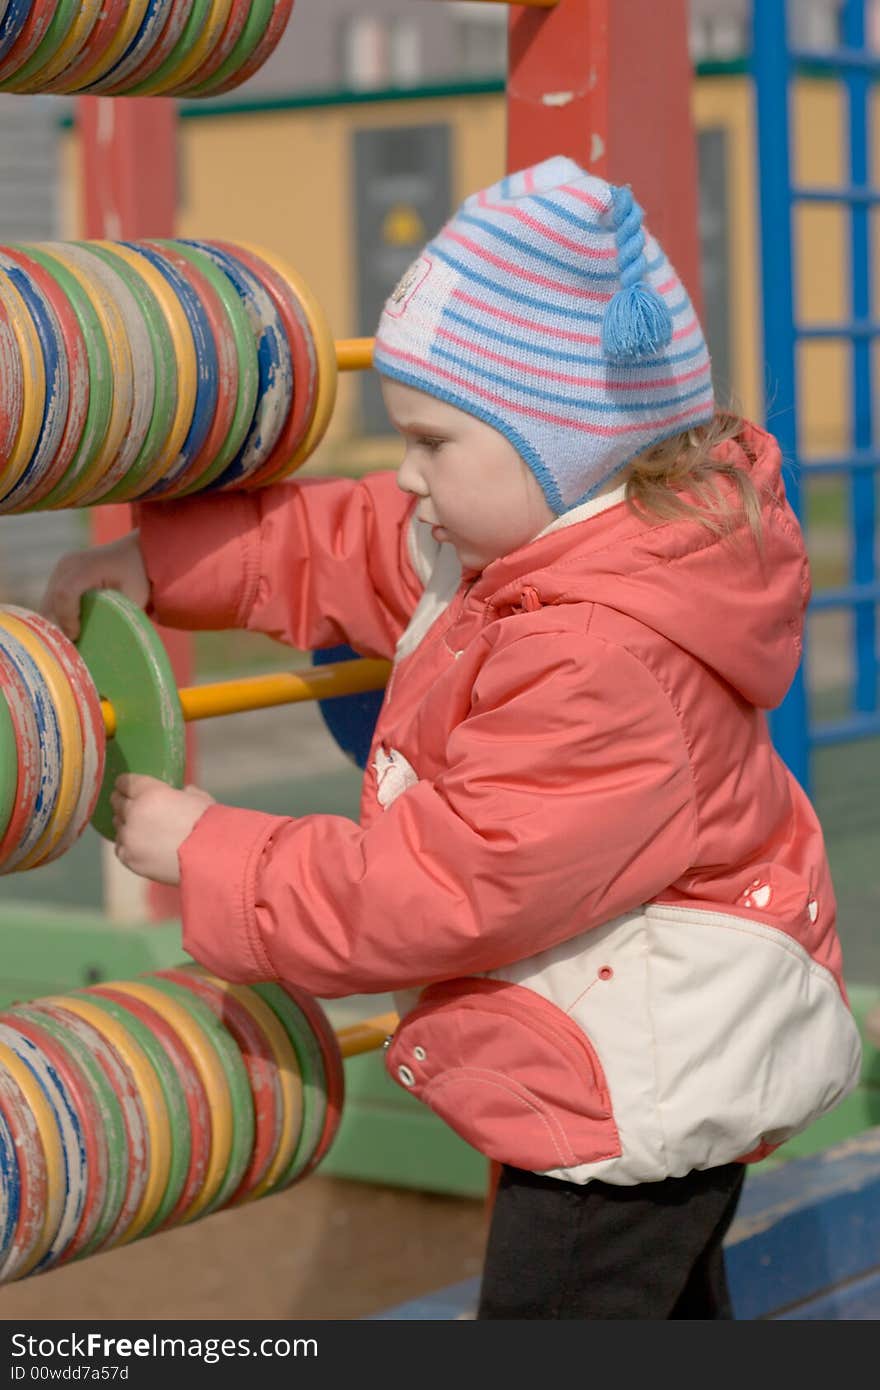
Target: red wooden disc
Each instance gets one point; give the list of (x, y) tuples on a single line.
[(259, 1061), (12, 395), (274, 29), (40, 16), (112, 15)]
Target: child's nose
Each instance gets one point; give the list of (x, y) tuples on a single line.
[(409, 479)]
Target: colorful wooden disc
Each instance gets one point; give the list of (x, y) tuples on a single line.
[(186, 367), (165, 394), (67, 715), (33, 1182), (197, 1122), (217, 55), (69, 1126), (157, 1156), (91, 720), (59, 24), (156, 16), (94, 1155), (12, 376), (206, 379), (284, 293), (203, 30), (133, 1156), (30, 36), (256, 44), (14, 20), (22, 772), (81, 267), (334, 1070), (241, 1105), (215, 294), (49, 1141), (275, 391), (214, 1081), (311, 1066), (48, 752), (141, 1024), (58, 52), (325, 350), (143, 376), (33, 383), (141, 60), (100, 398), (30, 491), (203, 471), (259, 1062), (289, 1079), (122, 37), (55, 369), (111, 1164), (8, 758), (130, 668), (10, 1188)]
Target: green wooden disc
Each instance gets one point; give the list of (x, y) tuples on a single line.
[(8, 765), (128, 1016), (165, 399), (311, 1065), (236, 1075), (248, 366), (131, 669), (110, 1111), (100, 378)]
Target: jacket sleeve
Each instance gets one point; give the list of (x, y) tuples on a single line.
[(312, 563), (567, 799)]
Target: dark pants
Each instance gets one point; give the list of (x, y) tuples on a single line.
[(561, 1250)]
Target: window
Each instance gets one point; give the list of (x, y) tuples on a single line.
[(380, 53), (480, 39)]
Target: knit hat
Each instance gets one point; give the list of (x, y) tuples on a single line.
[(544, 309)]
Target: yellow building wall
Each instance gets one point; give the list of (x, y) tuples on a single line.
[(285, 178)]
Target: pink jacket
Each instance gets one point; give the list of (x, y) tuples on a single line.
[(603, 901)]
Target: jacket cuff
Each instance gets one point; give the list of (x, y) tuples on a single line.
[(219, 861), (202, 557)]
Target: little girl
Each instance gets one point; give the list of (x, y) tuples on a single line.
[(601, 899)]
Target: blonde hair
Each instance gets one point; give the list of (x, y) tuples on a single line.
[(687, 462)]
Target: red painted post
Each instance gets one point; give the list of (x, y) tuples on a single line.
[(608, 82), (129, 190)]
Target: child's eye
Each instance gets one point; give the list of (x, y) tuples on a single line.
[(430, 443)]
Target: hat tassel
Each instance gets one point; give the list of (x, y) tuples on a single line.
[(637, 322)]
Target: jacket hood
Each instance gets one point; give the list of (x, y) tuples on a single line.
[(735, 609)]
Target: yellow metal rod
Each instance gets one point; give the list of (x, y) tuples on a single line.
[(283, 688), (365, 1036), (354, 354)]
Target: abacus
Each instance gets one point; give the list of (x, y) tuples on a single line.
[(146, 367)]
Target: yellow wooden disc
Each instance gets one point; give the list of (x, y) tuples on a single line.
[(33, 384), (50, 1138), (213, 1077), (150, 1092), (113, 328), (184, 352), (325, 353), (289, 1078), (75, 38), (67, 714), (201, 49), (135, 11)]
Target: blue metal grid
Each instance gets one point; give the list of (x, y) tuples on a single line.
[(857, 67)]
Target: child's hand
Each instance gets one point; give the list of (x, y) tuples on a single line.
[(116, 565), (152, 821)]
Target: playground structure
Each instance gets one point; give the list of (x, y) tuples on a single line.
[(549, 107)]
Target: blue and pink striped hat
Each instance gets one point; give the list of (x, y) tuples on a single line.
[(544, 308)]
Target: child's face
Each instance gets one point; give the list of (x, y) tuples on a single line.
[(475, 490)]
